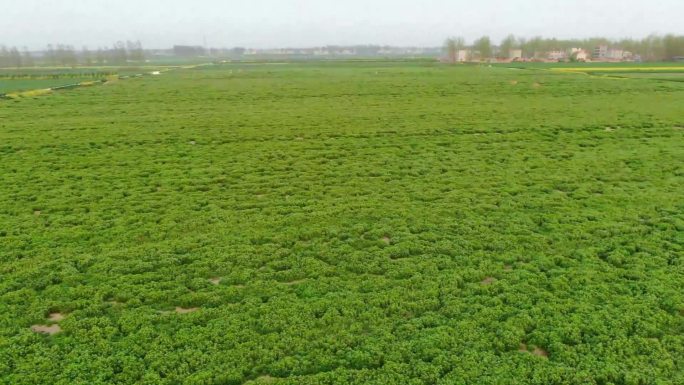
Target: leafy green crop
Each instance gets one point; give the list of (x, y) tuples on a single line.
[(344, 223)]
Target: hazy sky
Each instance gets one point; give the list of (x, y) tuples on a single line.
[(299, 23)]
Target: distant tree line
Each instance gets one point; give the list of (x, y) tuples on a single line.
[(12, 57), (66, 55), (650, 48)]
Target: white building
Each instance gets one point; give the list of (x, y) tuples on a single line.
[(557, 55), (579, 54), (463, 55), (615, 54), (515, 54)]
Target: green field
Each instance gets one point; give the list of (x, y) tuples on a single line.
[(344, 223), (13, 85), (27, 79)]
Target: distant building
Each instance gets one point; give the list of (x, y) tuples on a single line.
[(463, 55), (605, 53), (615, 54), (579, 54), (600, 52), (557, 55), (515, 54)]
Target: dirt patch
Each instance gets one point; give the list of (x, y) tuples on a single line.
[(609, 129), (295, 282), (536, 85), (537, 351), (387, 240), (514, 82), (36, 213), (185, 310), (540, 352), (56, 317), (46, 329), (508, 268), (215, 280), (265, 379), (488, 281)]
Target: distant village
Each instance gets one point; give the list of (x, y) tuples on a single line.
[(455, 50), (330, 51), (601, 53)]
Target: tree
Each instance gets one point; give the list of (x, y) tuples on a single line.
[(507, 44), (135, 51), (483, 46), (450, 48), (86, 56), (652, 48), (452, 45), (532, 47), (118, 53), (673, 46), (27, 58), (4, 56), (10, 57), (100, 56), (50, 56), (15, 57)]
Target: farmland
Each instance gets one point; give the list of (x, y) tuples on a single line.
[(20, 80), (344, 223)]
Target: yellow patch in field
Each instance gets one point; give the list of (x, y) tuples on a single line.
[(617, 69)]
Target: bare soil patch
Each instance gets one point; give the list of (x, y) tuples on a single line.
[(387, 240), (36, 213), (215, 280), (537, 351), (540, 352), (46, 329), (185, 310), (56, 317), (488, 281), (295, 282)]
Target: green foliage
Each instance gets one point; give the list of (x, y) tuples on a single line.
[(370, 223)]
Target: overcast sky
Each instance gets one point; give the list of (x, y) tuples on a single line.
[(301, 23)]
